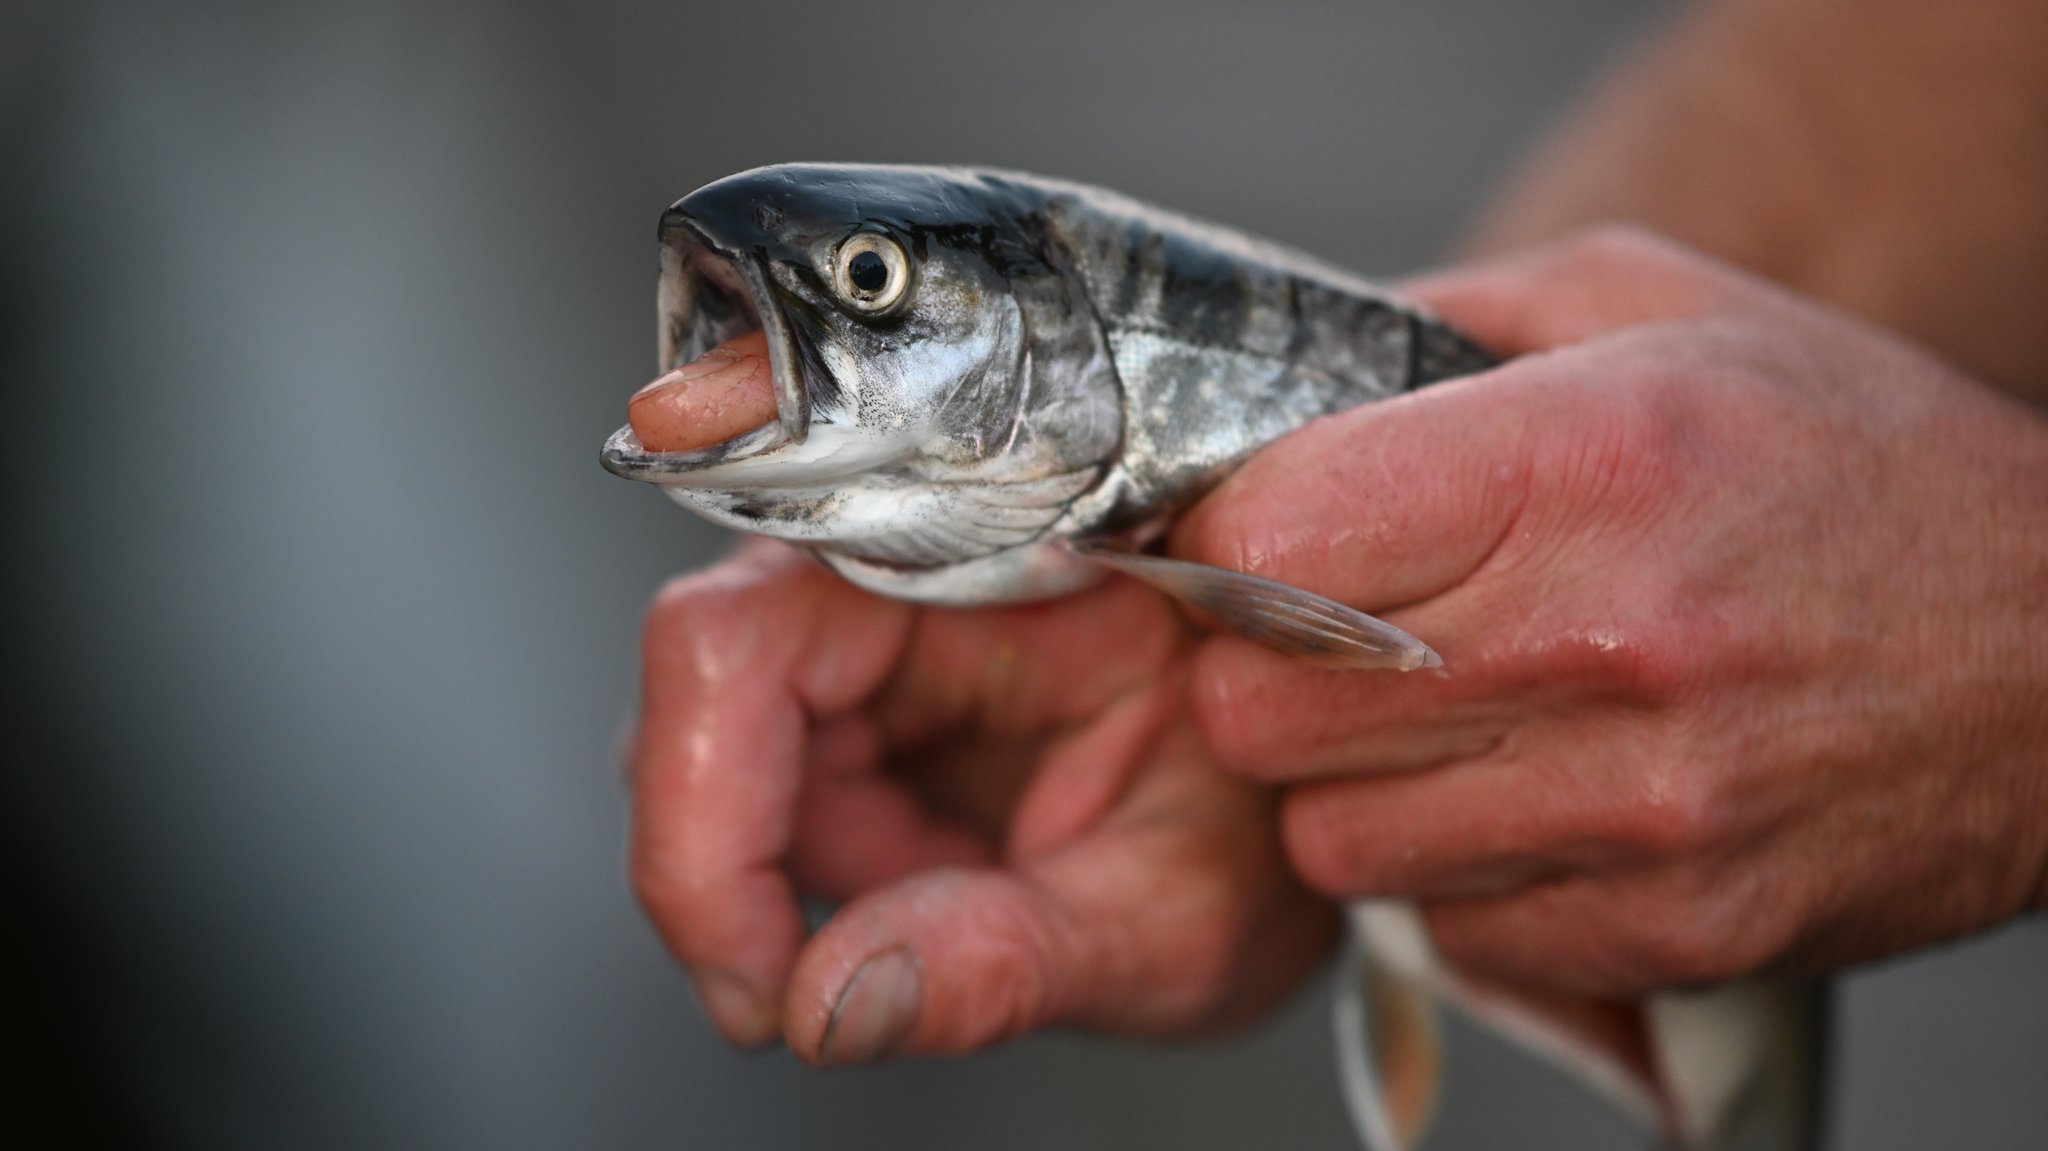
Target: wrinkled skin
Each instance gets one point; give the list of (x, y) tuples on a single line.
[(1048, 840), (1744, 608)]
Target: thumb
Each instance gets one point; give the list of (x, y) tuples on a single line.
[(1582, 287), (1396, 502), (1175, 915), (946, 962), (1383, 505)]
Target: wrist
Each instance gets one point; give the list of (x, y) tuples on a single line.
[(1708, 132), (2014, 727), (1819, 144)]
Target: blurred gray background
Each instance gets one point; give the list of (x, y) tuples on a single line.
[(312, 318)]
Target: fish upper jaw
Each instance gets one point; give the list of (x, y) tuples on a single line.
[(623, 455)]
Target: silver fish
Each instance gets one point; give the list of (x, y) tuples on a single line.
[(1044, 372), (993, 387)]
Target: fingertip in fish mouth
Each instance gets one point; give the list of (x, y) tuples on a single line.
[(729, 387), (725, 392), (711, 296)]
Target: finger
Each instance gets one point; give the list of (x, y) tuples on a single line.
[(1278, 720), (1486, 507), (1019, 671), (1375, 508), (1596, 282), (1145, 925), (1419, 502), (858, 828), (943, 962), (734, 661), (1396, 501), (1592, 936), (1382, 505), (1272, 718), (1547, 803), (980, 696)]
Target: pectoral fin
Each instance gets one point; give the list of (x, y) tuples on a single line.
[(1286, 619)]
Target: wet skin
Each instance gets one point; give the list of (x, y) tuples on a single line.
[(1692, 702)]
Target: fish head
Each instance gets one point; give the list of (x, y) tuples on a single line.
[(889, 299)]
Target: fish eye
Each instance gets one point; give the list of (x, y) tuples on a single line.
[(871, 272)]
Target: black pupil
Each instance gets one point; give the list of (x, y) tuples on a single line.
[(868, 272)]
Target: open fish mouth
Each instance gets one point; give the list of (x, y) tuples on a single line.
[(710, 297)]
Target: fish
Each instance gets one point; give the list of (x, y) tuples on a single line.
[(1041, 375), (974, 386)]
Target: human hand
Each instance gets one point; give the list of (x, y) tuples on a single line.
[(1744, 613), (1013, 801)]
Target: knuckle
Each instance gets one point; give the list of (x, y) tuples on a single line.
[(688, 605), (1673, 947), (1271, 517), (757, 567), (1660, 666), (1655, 269), (1325, 848), (1229, 529), (1628, 456), (651, 889), (1746, 928), (1483, 945), (1021, 972), (662, 894), (1019, 996), (1675, 814), (1681, 928), (1522, 942), (703, 597), (676, 607), (1230, 714), (1637, 658), (1659, 420), (708, 620), (1617, 245), (1202, 971)]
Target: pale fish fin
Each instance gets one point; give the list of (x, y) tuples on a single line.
[(1745, 1065), (1734, 1068), (927, 543), (1389, 1043), (918, 522), (1286, 619)]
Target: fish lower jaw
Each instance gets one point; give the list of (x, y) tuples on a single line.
[(1035, 571), (765, 459), (625, 456)]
